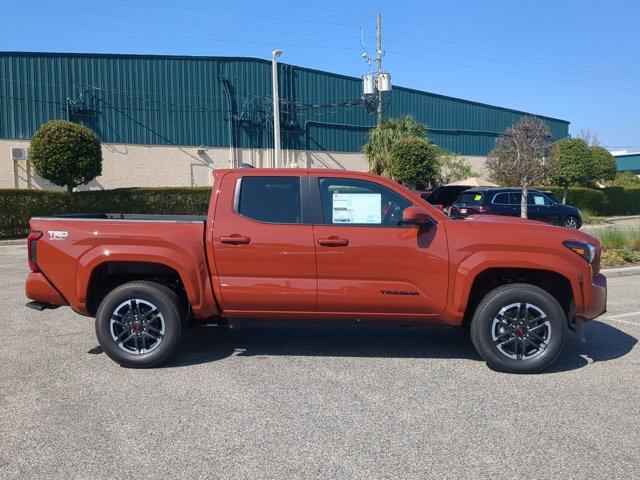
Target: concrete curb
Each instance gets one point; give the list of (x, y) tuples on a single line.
[(621, 272)]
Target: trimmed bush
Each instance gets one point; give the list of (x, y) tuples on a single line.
[(18, 206), (66, 154), (622, 201), (594, 201)]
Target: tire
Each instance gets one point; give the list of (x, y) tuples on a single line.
[(507, 339), (571, 222), (161, 316)]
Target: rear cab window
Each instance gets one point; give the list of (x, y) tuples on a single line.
[(269, 199)]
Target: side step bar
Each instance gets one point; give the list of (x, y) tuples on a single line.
[(40, 306)]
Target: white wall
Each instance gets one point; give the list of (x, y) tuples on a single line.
[(126, 165)]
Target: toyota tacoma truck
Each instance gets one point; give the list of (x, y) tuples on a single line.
[(319, 246)]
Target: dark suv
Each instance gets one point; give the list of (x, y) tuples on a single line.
[(506, 201)]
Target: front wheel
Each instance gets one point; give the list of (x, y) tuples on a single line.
[(519, 328), (139, 324)]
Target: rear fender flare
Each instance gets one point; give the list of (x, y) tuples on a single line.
[(194, 276)]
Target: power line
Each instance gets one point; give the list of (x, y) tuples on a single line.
[(167, 35), (518, 74), (501, 52), (567, 72), (247, 15), (506, 40), (169, 22)]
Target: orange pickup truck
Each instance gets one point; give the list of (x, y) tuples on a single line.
[(318, 245)]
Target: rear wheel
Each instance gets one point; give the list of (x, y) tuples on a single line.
[(571, 222), (139, 324), (519, 328)]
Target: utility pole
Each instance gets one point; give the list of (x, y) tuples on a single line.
[(277, 151), (379, 61)]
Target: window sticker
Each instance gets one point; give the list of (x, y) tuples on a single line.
[(357, 208), (538, 200), (478, 197)]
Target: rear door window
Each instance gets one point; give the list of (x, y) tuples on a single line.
[(270, 199), (501, 199), (515, 198), (470, 198)]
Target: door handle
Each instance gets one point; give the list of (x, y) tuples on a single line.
[(235, 240), (333, 242)]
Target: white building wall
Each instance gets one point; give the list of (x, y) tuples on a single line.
[(127, 165)]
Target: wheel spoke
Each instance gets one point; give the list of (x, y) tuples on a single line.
[(506, 342), (122, 334), (128, 335)]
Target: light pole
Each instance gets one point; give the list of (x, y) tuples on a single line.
[(277, 151)]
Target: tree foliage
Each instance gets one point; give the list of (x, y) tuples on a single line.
[(624, 179), (604, 164), (414, 162), (454, 168), (572, 164), (66, 154), (383, 137), (520, 156)]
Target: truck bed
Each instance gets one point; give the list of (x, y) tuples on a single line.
[(127, 216)]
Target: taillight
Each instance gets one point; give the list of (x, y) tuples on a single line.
[(484, 209), (32, 242)]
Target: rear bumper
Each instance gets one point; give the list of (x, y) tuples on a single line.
[(595, 298), (38, 288)]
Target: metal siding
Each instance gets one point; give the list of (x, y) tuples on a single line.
[(628, 163), (181, 101)]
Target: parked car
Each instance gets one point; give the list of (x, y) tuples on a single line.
[(506, 201), (317, 245), (445, 195)]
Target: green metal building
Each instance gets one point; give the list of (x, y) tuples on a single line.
[(225, 101), (628, 162)]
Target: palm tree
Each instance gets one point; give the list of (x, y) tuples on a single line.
[(384, 136)]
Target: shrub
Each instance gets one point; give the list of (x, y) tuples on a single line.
[(383, 137), (595, 201), (622, 201), (414, 162), (66, 154)]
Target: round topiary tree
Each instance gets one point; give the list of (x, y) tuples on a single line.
[(66, 154), (572, 164), (414, 162), (604, 164)]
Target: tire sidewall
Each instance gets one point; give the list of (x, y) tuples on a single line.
[(165, 305), (483, 322)]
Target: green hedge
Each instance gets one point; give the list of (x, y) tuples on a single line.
[(583, 198), (622, 200), (17, 206)]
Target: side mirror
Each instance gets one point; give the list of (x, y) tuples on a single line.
[(417, 216)]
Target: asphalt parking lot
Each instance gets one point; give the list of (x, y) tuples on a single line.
[(312, 402)]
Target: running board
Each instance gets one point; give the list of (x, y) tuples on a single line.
[(40, 306)]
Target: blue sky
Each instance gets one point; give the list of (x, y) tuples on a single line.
[(576, 60)]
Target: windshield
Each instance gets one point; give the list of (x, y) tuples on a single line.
[(470, 198)]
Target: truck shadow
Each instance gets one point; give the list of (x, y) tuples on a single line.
[(208, 344)]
